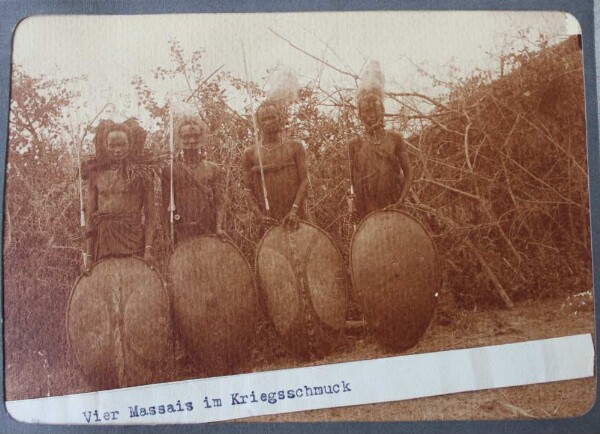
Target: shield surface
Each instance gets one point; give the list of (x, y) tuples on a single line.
[(214, 302), (302, 287), (395, 274), (118, 323)]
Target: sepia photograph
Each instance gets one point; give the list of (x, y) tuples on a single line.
[(192, 198)]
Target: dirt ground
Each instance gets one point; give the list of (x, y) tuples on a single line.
[(528, 321), (451, 328)]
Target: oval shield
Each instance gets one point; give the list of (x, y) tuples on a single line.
[(302, 287), (118, 324), (395, 274), (214, 302)]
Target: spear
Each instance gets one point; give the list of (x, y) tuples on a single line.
[(80, 180), (171, 192), (351, 204), (255, 127), (82, 209), (351, 207)]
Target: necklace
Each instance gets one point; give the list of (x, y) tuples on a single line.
[(376, 142), (271, 148)]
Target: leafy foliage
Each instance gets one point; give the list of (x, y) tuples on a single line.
[(41, 256)]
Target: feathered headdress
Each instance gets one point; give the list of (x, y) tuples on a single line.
[(282, 92), (283, 88), (372, 81)]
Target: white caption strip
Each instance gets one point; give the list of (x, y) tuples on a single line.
[(343, 384)]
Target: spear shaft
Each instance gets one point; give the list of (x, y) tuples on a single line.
[(82, 210), (171, 191), (82, 220)]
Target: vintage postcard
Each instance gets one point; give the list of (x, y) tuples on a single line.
[(316, 216)]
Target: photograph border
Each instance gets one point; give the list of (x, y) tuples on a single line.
[(14, 11)]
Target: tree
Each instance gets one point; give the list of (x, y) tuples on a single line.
[(41, 251)]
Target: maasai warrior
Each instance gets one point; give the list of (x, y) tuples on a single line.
[(199, 206), (120, 194), (283, 161), (378, 155)]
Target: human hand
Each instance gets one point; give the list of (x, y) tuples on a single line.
[(266, 220), (290, 221), (87, 263), (221, 234), (148, 256), (395, 206)]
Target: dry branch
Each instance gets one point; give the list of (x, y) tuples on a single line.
[(329, 65), (501, 291)]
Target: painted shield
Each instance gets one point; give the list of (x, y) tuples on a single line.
[(214, 302), (118, 324), (395, 274), (302, 287)]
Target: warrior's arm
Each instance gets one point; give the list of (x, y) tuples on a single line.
[(300, 157), (290, 221), (406, 169), (91, 206), (247, 165), (149, 212)]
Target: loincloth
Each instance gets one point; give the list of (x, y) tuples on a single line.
[(118, 234)]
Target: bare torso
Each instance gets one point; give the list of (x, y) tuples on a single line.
[(284, 174), (380, 171), (114, 224), (116, 194)]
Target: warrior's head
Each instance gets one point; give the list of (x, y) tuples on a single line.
[(370, 97), (118, 141), (371, 111), (269, 118), (192, 134)]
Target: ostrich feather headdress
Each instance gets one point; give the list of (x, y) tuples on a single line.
[(372, 81)]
